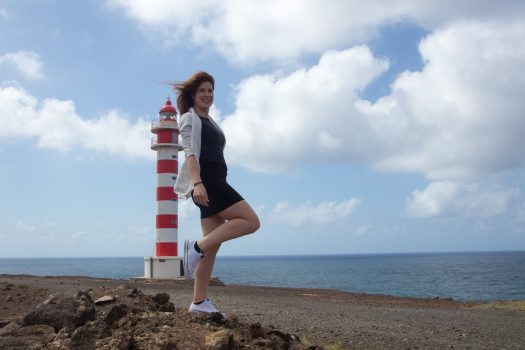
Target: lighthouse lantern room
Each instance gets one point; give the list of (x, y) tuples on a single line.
[(166, 264)]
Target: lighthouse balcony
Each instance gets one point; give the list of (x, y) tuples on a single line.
[(157, 125), (155, 144)]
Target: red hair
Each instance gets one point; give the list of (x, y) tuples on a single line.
[(186, 90)]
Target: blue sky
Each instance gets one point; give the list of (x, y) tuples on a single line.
[(351, 128)]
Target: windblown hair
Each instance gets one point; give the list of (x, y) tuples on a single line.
[(186, 90)]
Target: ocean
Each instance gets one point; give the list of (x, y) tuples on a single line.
[(485, 276)]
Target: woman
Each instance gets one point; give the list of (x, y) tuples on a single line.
[(225, 214)]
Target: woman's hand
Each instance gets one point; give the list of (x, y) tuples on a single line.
[(200, 196)]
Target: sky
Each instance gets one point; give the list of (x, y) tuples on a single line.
[(353, 127)]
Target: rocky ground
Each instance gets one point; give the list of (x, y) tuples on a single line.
[(67, 313)]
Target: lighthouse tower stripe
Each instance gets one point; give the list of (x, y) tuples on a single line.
[(166, 248), (166, 179), (166, 207), (167, 221), (166, 194), (167, 152), (167, 166), (167, 235), (167, 160), (166, 136)]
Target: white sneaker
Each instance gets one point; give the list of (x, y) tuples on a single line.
[(205, 307), (191, 258)]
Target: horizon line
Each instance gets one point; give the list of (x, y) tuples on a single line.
[(279, 255)]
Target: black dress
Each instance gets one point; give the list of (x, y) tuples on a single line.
[(214, 171)]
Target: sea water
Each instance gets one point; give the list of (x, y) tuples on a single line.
[(461, 276)]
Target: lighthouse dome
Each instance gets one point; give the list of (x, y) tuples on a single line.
[(168, 108)]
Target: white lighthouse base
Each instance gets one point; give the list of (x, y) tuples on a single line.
[(163, 267)]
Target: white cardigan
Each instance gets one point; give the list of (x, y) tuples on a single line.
[(190, 132)]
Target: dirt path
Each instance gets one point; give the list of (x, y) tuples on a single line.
[(356, 321)]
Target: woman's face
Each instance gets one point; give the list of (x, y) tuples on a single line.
[(203, 97)]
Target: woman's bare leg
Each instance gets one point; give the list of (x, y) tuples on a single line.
[(204, 268), (240, 220)]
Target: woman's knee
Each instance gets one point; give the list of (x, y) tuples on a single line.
[(253, 223), (244, 212)]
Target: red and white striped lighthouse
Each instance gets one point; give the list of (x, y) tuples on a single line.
[(166, 263)]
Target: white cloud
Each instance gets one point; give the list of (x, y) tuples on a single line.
[(251, 31), (48, 223), (139, 234), (22, 226), (461, 117), (48, 237), (303, 117), (450, 199), (54, 124), (76, 236), (28, 63), (322, 214), (362, 230), (179, 15)]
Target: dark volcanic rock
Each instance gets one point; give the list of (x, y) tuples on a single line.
[(281, 340), (220, 340), (141, 322), (24, 337), (116, 313), (85, 337), (284, 336), (11, 326), (62, 341), (255, 330), (168, 307), (121, 340), (60, 311), (132, 292), (265, 343), (161, 298), (203, 318)]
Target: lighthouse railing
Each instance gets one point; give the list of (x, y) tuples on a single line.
[(170, 124), (155, 142)]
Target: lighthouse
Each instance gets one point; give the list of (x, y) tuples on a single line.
[(166, 264)]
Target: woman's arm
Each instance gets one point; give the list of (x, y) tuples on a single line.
[(199, 191)]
